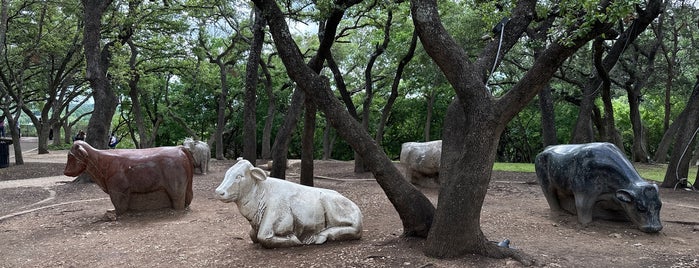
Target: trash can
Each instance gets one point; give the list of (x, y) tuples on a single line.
[(5, 153)]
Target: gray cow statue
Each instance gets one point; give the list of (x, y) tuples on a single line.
[(596, 180), (421, 161), (286, 214), (200, 152)]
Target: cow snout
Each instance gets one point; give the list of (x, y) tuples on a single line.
[(223, 195), (651, 228)]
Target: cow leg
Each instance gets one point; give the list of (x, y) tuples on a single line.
[(120, 201), (277, 229), (337, 233), (583, 206), (551, 197), (177, 199)]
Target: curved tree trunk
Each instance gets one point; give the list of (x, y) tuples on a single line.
[(678, 168)]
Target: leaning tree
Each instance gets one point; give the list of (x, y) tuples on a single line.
[(474, 121)]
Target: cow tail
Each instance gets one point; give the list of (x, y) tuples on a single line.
[(189, 195)]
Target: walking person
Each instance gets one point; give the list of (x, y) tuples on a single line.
[(2, 127)]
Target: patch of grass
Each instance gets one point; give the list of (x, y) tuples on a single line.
[(62, 146), (655, 172), (515, 167)]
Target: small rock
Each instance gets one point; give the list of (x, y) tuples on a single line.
[(696, 228), (615, 235)]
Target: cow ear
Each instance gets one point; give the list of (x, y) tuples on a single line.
[(625, 196), (79, 151), (258, 174)]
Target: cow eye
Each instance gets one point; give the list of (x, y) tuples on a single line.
[(641, 208)]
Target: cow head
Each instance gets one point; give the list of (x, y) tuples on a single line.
[(642, 206), (239, 179), (188, 143), (77, 160)]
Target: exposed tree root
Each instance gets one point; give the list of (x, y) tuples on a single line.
[(492, 250)]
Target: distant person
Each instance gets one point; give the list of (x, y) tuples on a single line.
[(80, 136), (113, 141), (2, 128)]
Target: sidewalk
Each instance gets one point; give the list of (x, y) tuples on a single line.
[(30, 154)]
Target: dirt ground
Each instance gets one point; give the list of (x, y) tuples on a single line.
[(49, 222)]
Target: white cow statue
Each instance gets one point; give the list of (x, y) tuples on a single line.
[(421, 161), (200, 152), (285, 214)]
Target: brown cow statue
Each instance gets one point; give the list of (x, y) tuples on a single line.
[(137, 179)]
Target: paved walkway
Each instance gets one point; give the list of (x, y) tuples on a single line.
[(31, 155)]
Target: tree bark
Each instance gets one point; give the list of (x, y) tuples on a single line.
[(97, 62), (280, 148), (309, 127), (431, 97), (610, 131), (678, 168), (548, 118), (251, 79), (269, 118)]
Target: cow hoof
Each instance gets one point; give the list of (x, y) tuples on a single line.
[(110, 215)]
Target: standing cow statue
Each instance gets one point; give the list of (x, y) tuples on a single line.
[(128, 175), (285, 214), (421, 161), (596, 180), (200, 152)]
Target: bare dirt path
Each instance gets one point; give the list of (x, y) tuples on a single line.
[(61, 225)]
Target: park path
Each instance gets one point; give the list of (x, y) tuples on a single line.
[(31, 155)]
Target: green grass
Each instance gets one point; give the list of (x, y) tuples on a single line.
[(654, 172)]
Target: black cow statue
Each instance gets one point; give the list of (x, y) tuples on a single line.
[(596, 180)]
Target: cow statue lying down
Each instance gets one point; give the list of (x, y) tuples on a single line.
[(285, 214), (136, 179), (596, 180), (421, 161)]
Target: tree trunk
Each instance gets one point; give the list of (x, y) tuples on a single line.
[(328, 141), (281, 141), (359, 163), (610, 133), (307, 144), (428, 117), (386, 112), (678, 168), (143, 140), (269, 119), (414, 209), (582, 132), (251, 79), (548, 118), (221, 111), (97, 62), (639, 152), (669, 136)]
